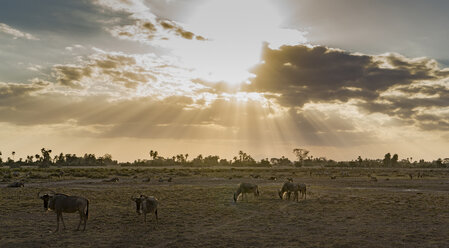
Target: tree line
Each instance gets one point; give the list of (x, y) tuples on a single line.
[(45, 159), (242, 159)]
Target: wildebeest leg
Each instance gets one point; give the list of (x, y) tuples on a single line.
[(288, 195), (85, 222), (296, 196), (62, 219), (155, 214), (145, 217), (79, 223), (57, 222)]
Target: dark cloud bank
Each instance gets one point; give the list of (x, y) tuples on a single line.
[(408, 89)]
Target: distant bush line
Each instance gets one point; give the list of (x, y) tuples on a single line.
[(242, 159)]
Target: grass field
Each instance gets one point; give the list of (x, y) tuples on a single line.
[(344, 208)]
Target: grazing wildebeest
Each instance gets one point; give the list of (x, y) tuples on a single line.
[(245, 188), (61, 203), (146, 204), (290, 187), (112, 180), (16, 185)]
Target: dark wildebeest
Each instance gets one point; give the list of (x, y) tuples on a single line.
[(290, 187), (146, 204), (61, 203), (16, 185), (245, 188)]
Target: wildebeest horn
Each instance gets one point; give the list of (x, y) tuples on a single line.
[(51, 192)]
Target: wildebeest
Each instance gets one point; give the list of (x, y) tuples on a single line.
[(112, 180), (146, 204), (290, 187), (16, 185), (61, 203), (245, 188)]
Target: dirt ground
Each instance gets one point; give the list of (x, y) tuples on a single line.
[(197, 210)]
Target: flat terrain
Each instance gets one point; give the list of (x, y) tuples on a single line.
[(344, 208)]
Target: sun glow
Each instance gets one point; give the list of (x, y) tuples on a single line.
[(235, 32)]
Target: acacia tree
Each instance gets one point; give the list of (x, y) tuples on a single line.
[(301, 154)]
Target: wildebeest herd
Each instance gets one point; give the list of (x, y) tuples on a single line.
[(62, 203)]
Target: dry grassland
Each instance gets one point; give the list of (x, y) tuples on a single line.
[(197, 210)]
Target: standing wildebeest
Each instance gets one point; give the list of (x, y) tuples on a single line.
[(245, 188), (61, 203), (290, 187), (146, 204)]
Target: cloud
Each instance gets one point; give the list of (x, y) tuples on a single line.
[(146, 27), (424, 104), (119, 73), (4, 28), (71, 75), (390, 84)]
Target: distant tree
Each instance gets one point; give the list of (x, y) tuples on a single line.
[(241, 154), (265, 162), (153, 154), (244, 159), (445, 161), (29, 159), (107, 159), (360, 160), (198, 161), (394, 159), (283, 161), (301, 154), (224, 162), (387, 159), (60, 160), (46, 158), (211, 160)]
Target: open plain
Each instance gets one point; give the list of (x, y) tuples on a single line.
[(344, 208)]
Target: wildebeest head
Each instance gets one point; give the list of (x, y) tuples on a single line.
[(46, 199), (138, 201)]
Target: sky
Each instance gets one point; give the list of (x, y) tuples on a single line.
[(341, 79)]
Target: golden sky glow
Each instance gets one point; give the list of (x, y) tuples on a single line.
[(213, 77)]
